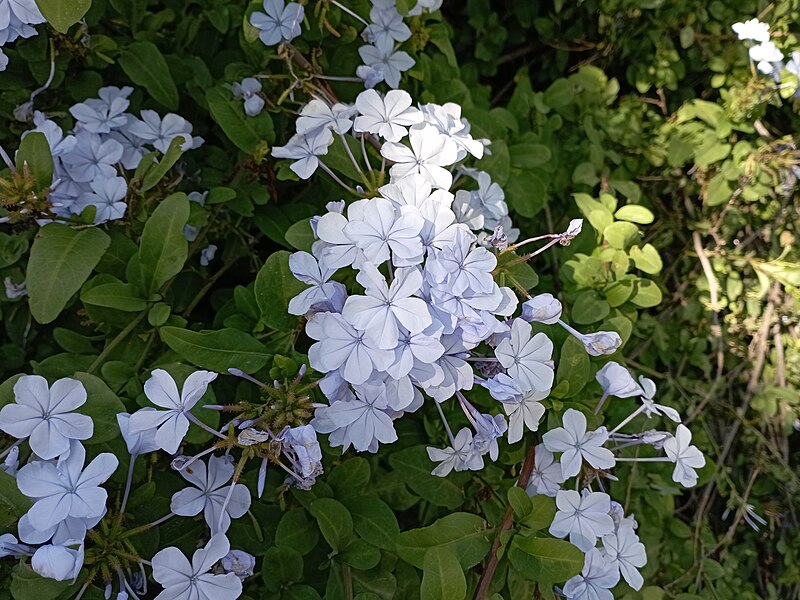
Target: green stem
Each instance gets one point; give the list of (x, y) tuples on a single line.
[(116, 342)]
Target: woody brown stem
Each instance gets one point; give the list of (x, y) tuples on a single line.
[(488, 574)]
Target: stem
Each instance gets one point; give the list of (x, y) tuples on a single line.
[(348, 11), (111, 346), (336, 177), (352, 158), (142, 528), (446, 425), (127, 491), (203, 426), (364, 152), (627, 420), (7, 159), (488, 574), (10, 448), (644, 459), (533, 239)]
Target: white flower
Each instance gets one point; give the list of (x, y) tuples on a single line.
[(317, 115), (183, 580), (752, 29), (66, 490), (624, 551), (430, 152), (322, 291), (141, 442), (44, 415), (546, 477), (577, 444), (687, 458), (527, 359), (595, 581), (617, 381), (307, 452), (240, 563), (583, 517), (526, 412), (387, 117), (765, 55), (280, 23), (386, 308), (305, 150), (381, 230), (249, 90), (543, 308), (456, 457), (650, 407), (59, 562), (172, 423), (601, 342), (384, 58), (210, 493)]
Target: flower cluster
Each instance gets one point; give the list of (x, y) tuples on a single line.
[(65, 492), (763, 52), (427, 319), (17, 18), (92, 162)]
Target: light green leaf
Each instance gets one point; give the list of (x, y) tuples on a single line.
[(442, 576), (34, 152), (528, 156), (589, 308), (520, 502), (26, 584), (621, 234), (334, 522), (573, 366), (466, 535), (646, 294), (374, 521), (545, 560), (146, 66), (635, 214), (217, 350), (164, 248), (543, 509), (60, 262), (13, 503), (62, 14), (156, 173), (300, 235), (646, 259)]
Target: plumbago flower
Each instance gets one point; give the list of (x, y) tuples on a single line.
[(428, 318)]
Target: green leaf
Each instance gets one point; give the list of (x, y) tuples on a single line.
[(545, 560), (466, 535), (62, 14), (646, 259), (245, 132), (621, 234), (374, 521), (217, 350), (573, 365), (635, 214), (589, 308), (146, 66), (646, 294), (282, 564), (12, 248), (275, 286), (718, 191), (103, 406), (159, 314), (528, 156), (300, 235), (520, 502), (156, 173), (415, 465), (442, 576), (26, 584), (350, 478), (334, 522), (297, 530), (543, 509), (360, 555), (164, 248), (119, 296), (60, 262), (34, 151), (13, 503)]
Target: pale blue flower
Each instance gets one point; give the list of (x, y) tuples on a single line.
[(361, 422), (391, 62), (381, 232), (595, 580), (249, 90), (281, 23), (527, 359), (103, 114), (92, 157), (583, 517), (45, 415), (107, 195), (387, 116), (305, 150), (159, 132), (184, 580), (578, 444), (462, 267), (61, 562), (387, 26), (323, 292), (66, 490)]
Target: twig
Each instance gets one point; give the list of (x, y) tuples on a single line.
[(508, 519), (713, 289)]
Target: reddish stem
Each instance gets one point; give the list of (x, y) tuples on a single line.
[(488, 574)]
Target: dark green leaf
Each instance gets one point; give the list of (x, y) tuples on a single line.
[(465, 535), (62, 14), (334, 522), (545, 560), (163, 247), (442, 576), (217, 350), (34, 152), (145, 65), (275, 286), (247, 133)]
